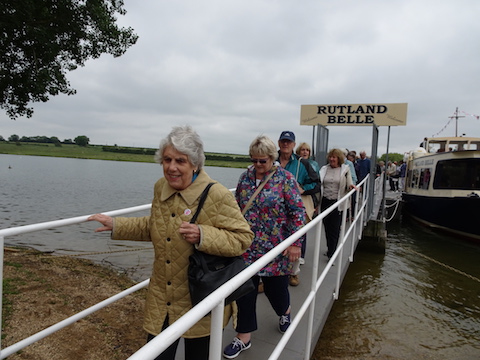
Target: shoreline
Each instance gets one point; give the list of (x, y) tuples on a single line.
[(95, 152), (42, 289)]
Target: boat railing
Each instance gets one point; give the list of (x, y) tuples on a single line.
[(214, 303)]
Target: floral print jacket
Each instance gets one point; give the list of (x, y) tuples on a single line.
[(275, 214)]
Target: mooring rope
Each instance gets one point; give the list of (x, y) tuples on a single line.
[(394, 211), (471, 277)]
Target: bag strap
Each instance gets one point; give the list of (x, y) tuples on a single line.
[(259, 188), (201, 202), (298, 169)]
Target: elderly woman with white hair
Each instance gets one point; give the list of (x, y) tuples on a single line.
[(220, 230)]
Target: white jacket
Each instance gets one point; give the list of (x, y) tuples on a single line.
[(345, 183)]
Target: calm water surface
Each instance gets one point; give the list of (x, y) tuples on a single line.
[(396, 305), (419, 300), (37, 189)]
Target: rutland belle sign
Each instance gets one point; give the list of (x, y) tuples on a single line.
[(354, 114)]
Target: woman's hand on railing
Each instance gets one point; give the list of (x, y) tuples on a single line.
[(105, 220), (293, 253)]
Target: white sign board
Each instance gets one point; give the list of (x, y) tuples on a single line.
[(354, 114)]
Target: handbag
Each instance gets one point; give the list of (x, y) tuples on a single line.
[(309, 207), (207, 272)]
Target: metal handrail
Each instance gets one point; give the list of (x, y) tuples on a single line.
[(214, 303)]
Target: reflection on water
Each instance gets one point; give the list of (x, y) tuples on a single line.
[(420, 300)]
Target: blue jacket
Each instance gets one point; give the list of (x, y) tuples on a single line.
[(352, 171), (364, 168), (305, 175)]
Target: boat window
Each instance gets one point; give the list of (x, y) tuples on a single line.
[(458, 174), (424, 179), (415, 177), (472, 146)]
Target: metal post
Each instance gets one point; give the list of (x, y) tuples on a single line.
[(315, 267), (385, 177), (313, 143), (321, 145), (216, 332), (373, 159), (2, 244), (340, 256)]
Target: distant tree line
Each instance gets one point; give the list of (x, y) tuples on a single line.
[(83, 140), (129, 150), (149, 151), (80, 140), (226, 157)]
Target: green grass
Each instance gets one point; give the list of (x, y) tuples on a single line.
[(10, 288), (96, 152)]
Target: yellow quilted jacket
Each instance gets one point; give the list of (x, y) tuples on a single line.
[(224, 232)]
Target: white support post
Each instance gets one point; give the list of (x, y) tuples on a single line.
[(216, 332)]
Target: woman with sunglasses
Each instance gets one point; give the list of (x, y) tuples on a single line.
[(275, 213)]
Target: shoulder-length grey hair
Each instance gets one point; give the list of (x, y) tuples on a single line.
[(338, 153), (263, 146), (185, 140)]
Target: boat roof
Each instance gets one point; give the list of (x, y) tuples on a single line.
[(453, 143)]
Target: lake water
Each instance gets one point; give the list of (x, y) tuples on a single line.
[(38, 189), (418, 300)]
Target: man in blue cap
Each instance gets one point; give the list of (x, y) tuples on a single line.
[(306, 176)]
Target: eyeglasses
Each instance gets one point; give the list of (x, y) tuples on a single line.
[(261, 161)]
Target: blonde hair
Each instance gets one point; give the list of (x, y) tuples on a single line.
[(303, 145), (262, 145), (338, 153)]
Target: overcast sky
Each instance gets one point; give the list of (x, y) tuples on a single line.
[(237, 69)]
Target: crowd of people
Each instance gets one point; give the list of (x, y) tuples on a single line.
[(282, 190)]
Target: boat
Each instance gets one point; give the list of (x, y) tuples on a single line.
[(442, 185)]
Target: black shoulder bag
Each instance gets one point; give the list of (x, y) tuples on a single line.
[(207, 272)]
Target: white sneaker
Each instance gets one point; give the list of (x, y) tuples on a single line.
[(301, 261)]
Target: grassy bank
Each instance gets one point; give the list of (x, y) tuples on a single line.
[(40, 290), (96, 152)]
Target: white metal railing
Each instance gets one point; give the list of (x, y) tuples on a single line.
[(214, 303)]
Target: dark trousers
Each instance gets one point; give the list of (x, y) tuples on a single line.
[(353, 203), (304, 246), (276, 290), (390, 182), (195, 349), (393, 183), (332, 223)]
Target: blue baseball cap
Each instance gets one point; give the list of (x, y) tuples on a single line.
[(287, 135)]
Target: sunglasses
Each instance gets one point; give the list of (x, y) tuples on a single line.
[(261, 161)]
